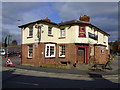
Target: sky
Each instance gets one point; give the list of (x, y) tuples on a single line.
[(104, 15)]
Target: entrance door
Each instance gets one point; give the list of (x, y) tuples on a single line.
[(81, 55)]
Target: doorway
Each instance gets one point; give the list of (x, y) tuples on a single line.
[(81, 55)]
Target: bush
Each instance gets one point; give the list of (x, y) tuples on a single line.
[(111, 57)]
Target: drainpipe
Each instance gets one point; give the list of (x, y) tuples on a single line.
[(39, 33), (94, 53), (39, 38)]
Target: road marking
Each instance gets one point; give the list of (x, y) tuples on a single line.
[(26, 83)]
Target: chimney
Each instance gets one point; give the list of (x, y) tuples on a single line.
[(85, 18), (47, 19)]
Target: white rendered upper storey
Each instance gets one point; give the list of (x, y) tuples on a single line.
[(73, 31)]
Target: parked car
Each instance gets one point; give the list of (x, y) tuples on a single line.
[(2, 51)]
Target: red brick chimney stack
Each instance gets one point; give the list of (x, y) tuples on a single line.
[(85, 18), (47, 19)]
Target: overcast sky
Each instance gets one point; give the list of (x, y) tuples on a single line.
[(104, 15)]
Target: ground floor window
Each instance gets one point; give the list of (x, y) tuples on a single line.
[(50, 50), (30, 51), (62, 51), (91, 50), (102, 50)]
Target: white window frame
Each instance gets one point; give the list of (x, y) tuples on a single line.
[(60, 51), (51, 30), (31, 29), (62, 32), (29, 51), (102, 50), (104, 39), (49, 45), (91, 50)]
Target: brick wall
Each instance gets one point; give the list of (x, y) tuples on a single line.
[(70, 55), (38, 54), (39, 57), (26, 61), (99, 57), (36, 60)]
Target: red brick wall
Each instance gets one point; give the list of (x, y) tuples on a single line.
[(99, 57), (70, 54), (38, 54), (39, 57), (24, 56)]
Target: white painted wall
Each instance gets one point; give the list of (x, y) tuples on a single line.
[(45, 37), (71, 36), (25, 34)]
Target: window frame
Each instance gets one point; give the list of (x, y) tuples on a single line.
[(48, 50), (62, 33), (51, 31), (102, 50), (92, 50), (29, 51), (31, 30), (60, 51), (104, 39)]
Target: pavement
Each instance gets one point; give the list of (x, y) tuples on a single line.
[(80, 71)]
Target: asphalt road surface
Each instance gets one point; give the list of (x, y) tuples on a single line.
[(13, 78), (50, 78)]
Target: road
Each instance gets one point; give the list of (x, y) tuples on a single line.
[(24, 78), (19, 78)]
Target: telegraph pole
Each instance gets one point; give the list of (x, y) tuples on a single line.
[(7, 41)]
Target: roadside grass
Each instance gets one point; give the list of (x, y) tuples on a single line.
[(54, 66)]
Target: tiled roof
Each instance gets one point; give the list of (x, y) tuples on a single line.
[(38, 22), (76, 22), (71, 22)]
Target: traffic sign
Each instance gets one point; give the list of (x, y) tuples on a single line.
[(9, 62)]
